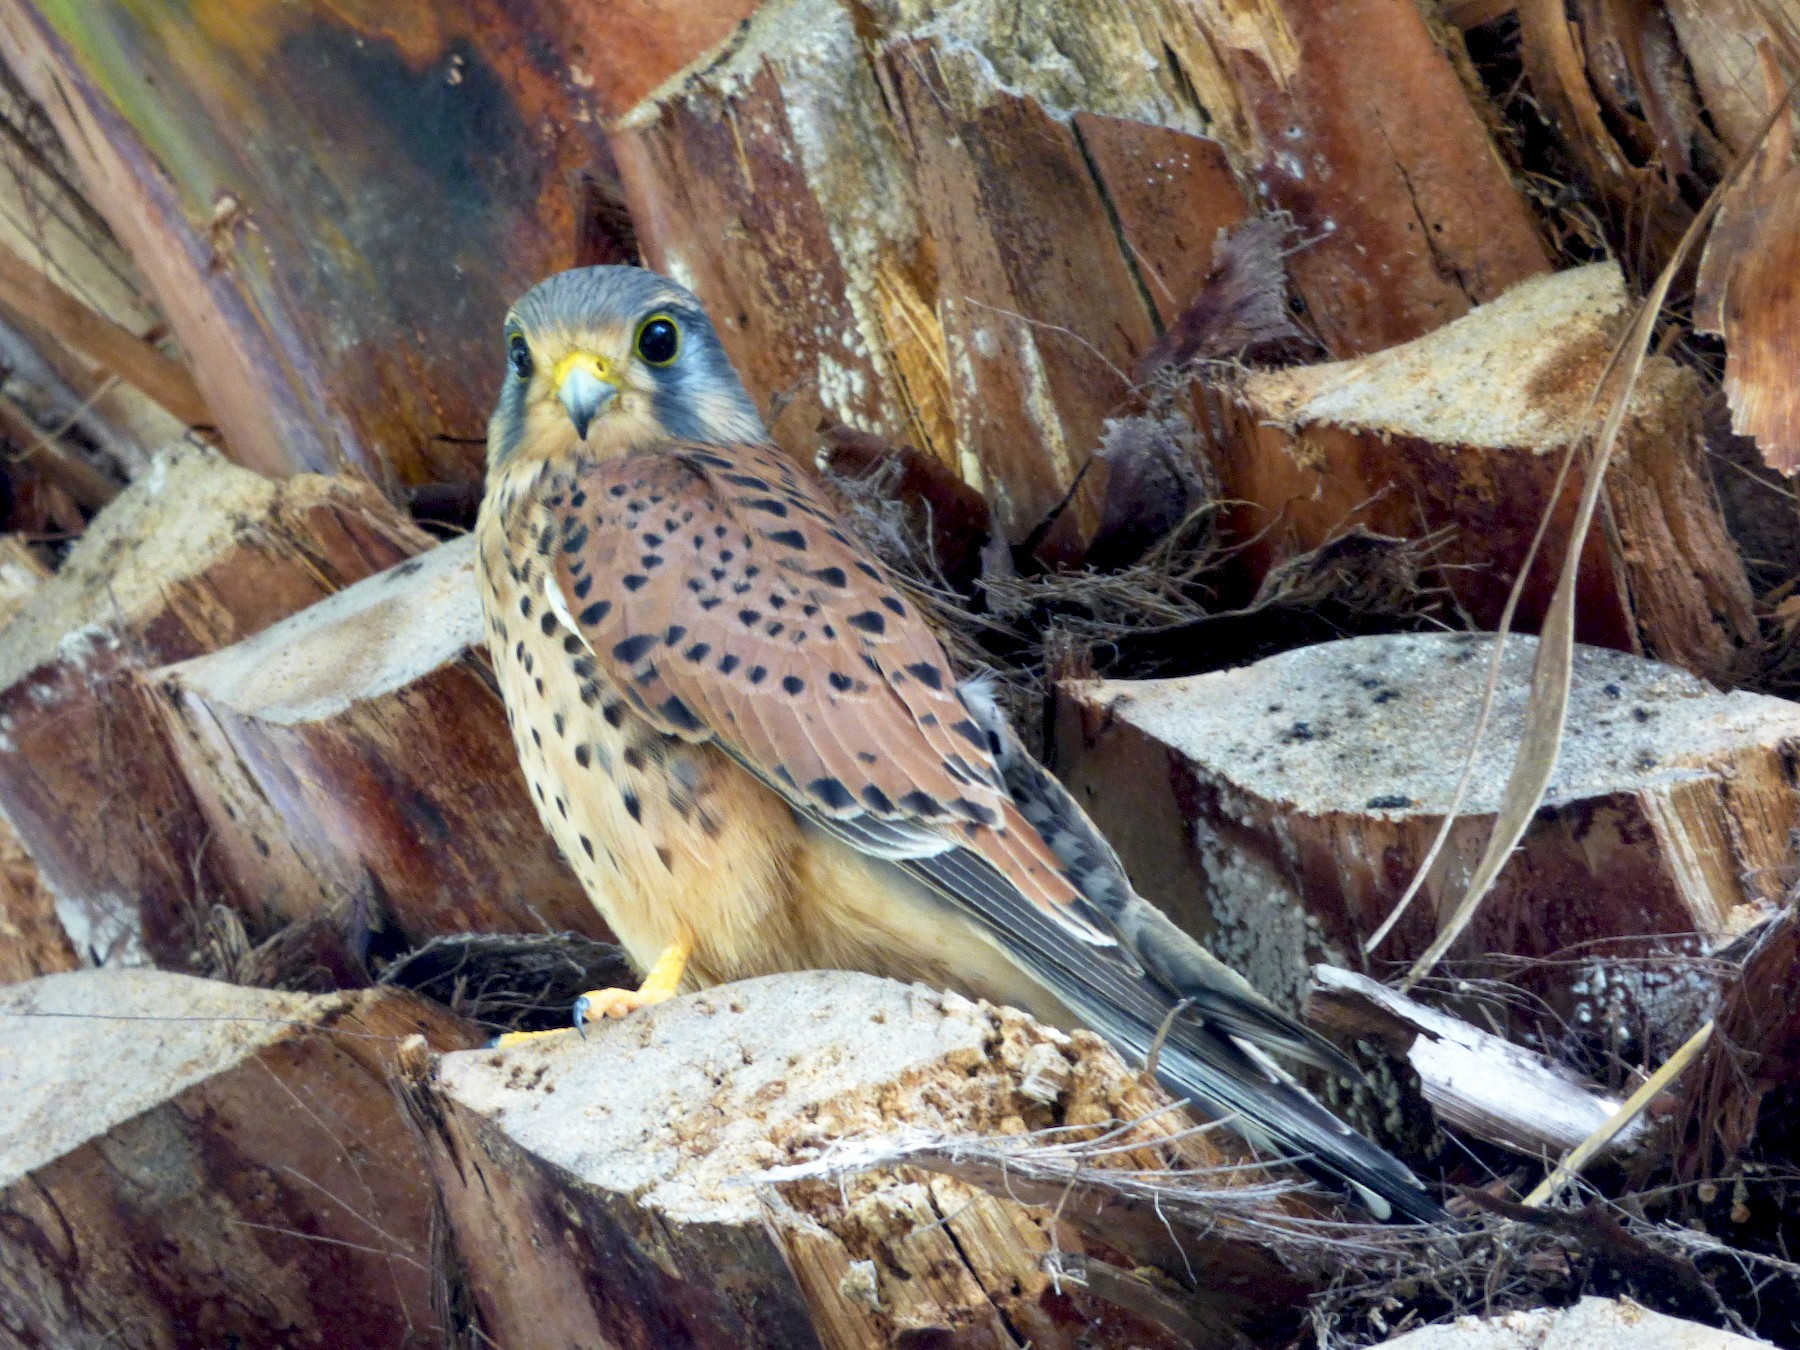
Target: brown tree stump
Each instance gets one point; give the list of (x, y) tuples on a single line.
[(963, 223), (334, 207), (1464, 430), (359, 748), (1279, 810), (196, 555), (187, 1163), (32, 940), (605, 1188), (21, 573)]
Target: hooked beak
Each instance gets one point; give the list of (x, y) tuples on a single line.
[(586, 385)]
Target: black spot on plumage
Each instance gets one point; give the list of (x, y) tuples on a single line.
[(633, 807), (651, 561), (536, 739), (868, 621), (758, 674), (583, 756), (753, 570), (726, 555), (767, 504), (783, 776), (595, 612), (576, 540), (525, 605), (548, 623), (634, 757), (617, 490), (674, 633), (868, 570), (831, 793), (894, 607), (774, 628), (678, 715), (745, 480), (841, 682), (540, 686), (921, 804), (793, 684), (711, 602), (970, 733), (590, 694), (582, 588), (865, 756), (633, 649), (572, 644), (728, 663), (634, 582), (789, 539), (720, 531), (974, 811), (841, 537), (926, 674), (578, 499), (530, 663), (587, 847), (583, 668), (557, 721), (829, 631), (546, 538), (777, 602), (749, 617), (929, 719), (877, 800), (653, 541), (519, 652), (718, 574), (698, 651)]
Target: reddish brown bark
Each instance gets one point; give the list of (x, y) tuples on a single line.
[(1280, 810), (1464, 431), (358, 750), (334, 204), (232, 1169), (968, 224), (196, 556)]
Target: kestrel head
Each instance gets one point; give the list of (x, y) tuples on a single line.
[(609, 360)]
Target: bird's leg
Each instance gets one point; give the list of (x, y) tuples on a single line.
[(658, 987)]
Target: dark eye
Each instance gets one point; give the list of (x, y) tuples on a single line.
[(658, 340), (519, 355)]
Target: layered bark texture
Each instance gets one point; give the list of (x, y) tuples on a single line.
[(963, 223), (196, 555), (359, 750)]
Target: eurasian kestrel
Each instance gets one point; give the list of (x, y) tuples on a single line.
[(753, 751)]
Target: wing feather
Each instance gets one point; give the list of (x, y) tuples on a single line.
[(717, 587)]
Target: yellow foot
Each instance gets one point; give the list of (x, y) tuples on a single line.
[(659, 986), (512, 1038)]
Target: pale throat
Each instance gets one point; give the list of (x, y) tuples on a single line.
[(626, 427)]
